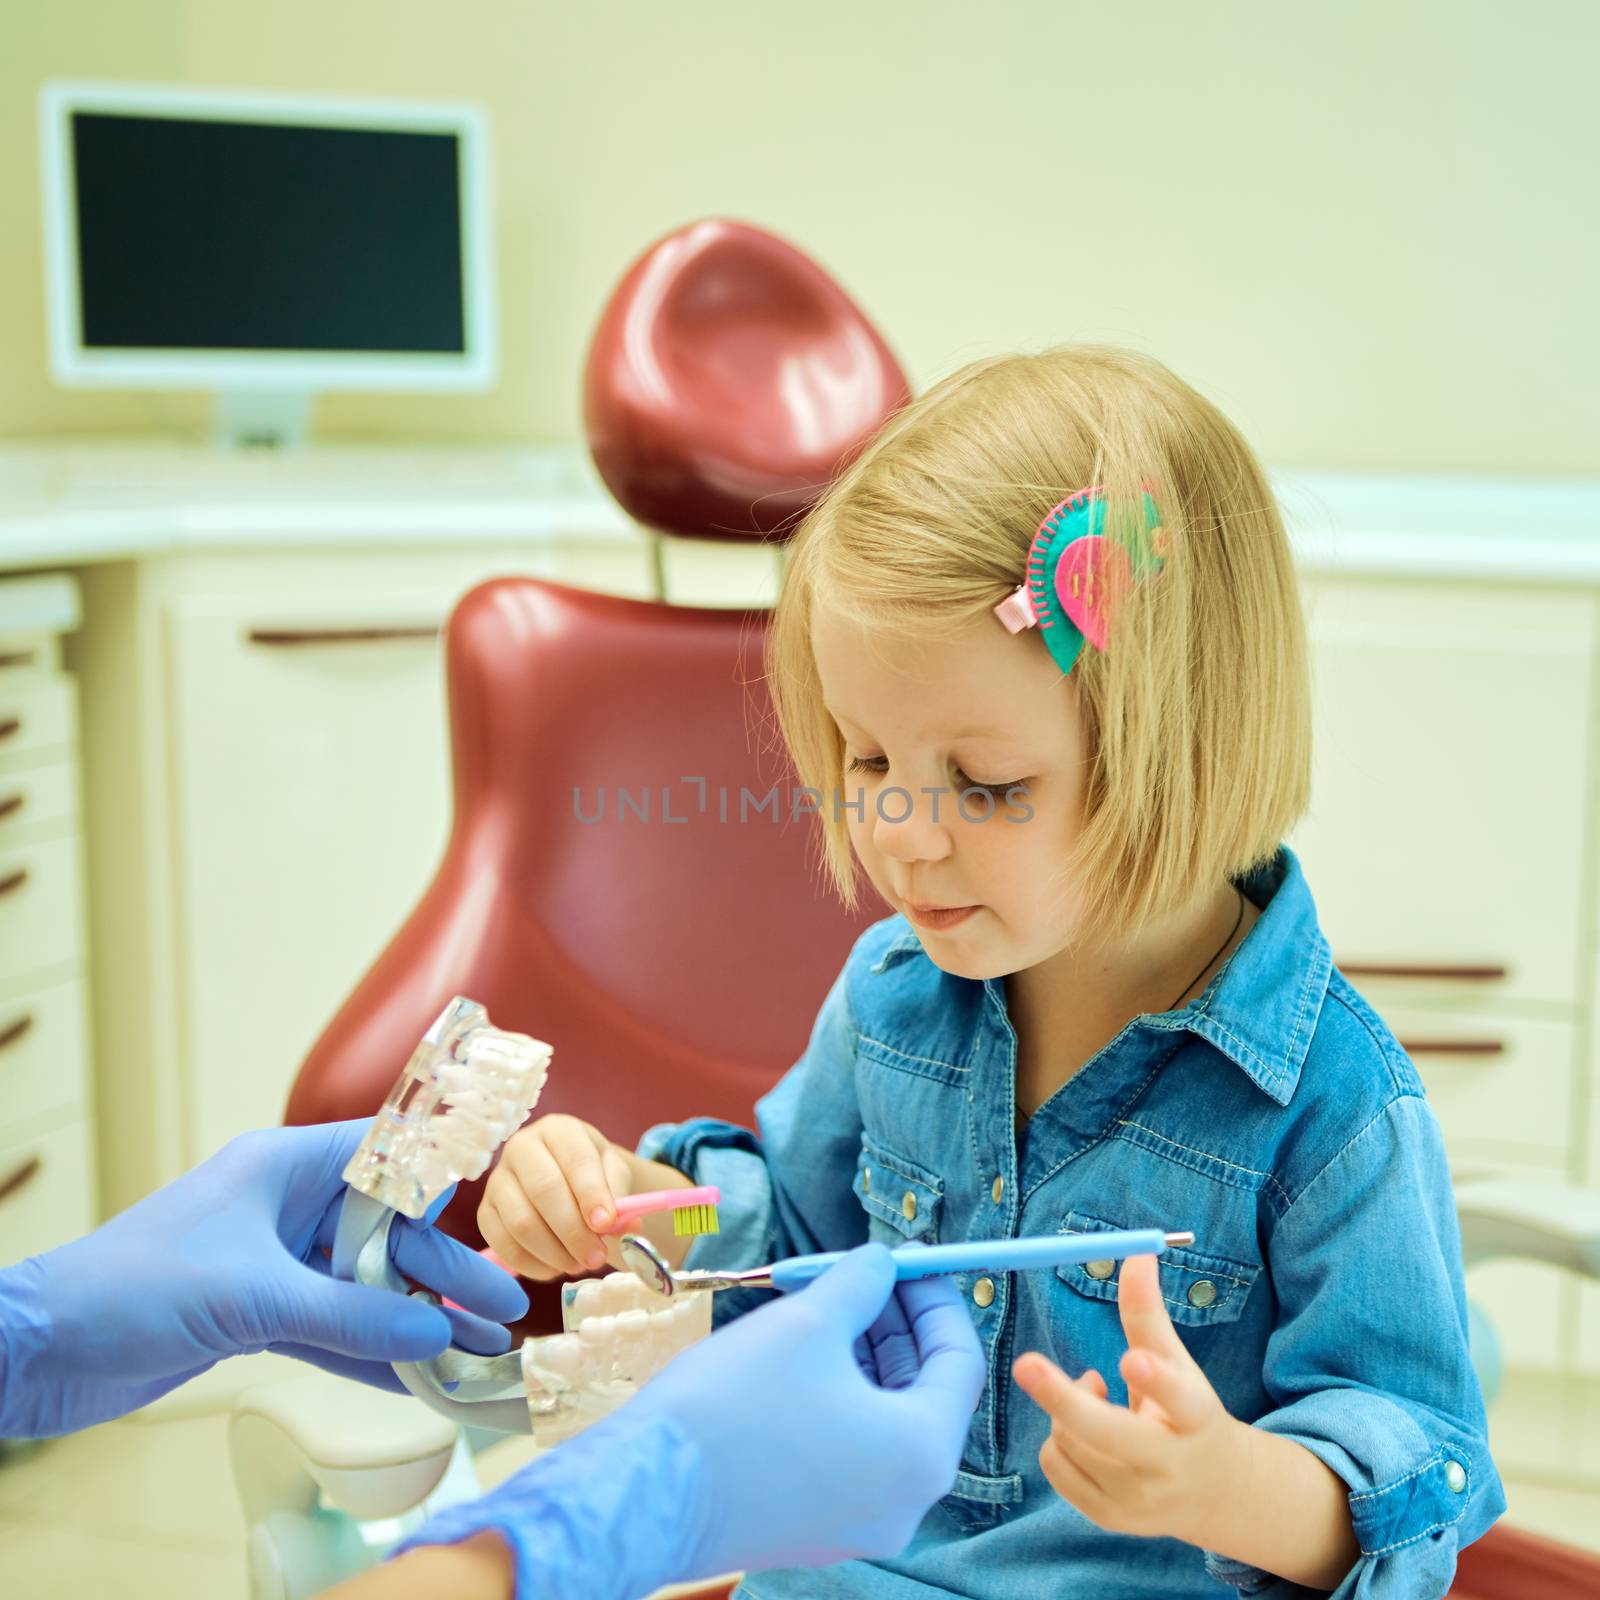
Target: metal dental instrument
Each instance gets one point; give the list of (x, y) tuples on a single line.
[(911, 1261)]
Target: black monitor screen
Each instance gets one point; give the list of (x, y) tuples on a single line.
[(257, 236)]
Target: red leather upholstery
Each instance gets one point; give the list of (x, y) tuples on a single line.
[(729, 380), (676, 966)]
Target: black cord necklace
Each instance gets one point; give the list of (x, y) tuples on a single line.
[(1217, 952)]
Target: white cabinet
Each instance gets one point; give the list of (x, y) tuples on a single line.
[(1450, 802), (310, 798), (47, 1186)]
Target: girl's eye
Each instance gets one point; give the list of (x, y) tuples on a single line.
[(998, 790), (877, 765)]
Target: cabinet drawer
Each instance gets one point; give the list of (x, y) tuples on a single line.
[(35, 715), (46, 1191), (40, 908), (1499, 1086), (1449, 786), (36, 796), (44, 1065)]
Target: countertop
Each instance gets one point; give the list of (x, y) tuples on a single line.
[(67, 502)]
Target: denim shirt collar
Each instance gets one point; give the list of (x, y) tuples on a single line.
[(1260, 1010)]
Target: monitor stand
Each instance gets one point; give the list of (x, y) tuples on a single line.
[(262, 419)]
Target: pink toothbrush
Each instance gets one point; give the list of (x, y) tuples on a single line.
[(693, 1210)]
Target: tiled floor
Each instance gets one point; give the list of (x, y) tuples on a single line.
[(146, 1508)]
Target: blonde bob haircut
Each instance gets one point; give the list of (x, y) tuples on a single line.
[(1196, 715)]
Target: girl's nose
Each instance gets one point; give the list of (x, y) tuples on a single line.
[(908, 826)]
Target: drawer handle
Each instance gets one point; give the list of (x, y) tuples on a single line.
[(290, 637), (1402, 969), (11, 805), (15, 1182), (1453, 1047), (18, 658), (16, 1030), (10, 727), (13, 881)]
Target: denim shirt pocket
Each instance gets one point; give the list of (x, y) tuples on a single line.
[(902, 1199), (1201, 1288)]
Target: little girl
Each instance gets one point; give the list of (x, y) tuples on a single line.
[(1041, 644)]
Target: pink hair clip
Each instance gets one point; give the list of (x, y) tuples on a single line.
[(1076, 575)]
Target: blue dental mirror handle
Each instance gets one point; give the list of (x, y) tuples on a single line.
[(991, 1255)]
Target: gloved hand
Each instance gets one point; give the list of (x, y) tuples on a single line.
[(822, 1426), (229, 1260)]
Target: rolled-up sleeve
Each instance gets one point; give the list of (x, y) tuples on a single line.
[(1369, 1364), (779, 1194)]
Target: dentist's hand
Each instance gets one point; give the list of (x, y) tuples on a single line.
[(228, 1260), (820, 1427)]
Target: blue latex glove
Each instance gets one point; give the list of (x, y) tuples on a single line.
[(228, 1260), (766, 1445)]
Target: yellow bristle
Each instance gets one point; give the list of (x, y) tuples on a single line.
[(688, 1220)]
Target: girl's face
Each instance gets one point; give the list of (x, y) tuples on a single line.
[(927, 727)]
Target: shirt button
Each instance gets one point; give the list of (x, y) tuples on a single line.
[(909, 1206), (1455, 1475), (1100, 1270), (983, 1291), (997, 1189), (1203, 1293)]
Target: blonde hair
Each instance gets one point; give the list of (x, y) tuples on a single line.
[(1197, 714)]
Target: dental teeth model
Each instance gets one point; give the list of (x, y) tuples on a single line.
[(619, 1334), (466, 1089)]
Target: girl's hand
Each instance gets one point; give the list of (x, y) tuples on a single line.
[(1158, 1466), (553, 1193)]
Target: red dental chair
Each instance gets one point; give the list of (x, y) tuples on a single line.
[(675, 965)]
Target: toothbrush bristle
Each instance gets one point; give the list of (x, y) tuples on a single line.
[(687, 1220)]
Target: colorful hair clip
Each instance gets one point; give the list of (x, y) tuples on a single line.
[(1076, 575)]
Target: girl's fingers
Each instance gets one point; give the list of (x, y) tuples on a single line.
[(614, 1163), (1081, 1419), (507, 1250), (549, 1198), (573, 1145), (1183, 1393), (1070, 1481), (537, 1253), (1144, 1313), (1041, 1380)]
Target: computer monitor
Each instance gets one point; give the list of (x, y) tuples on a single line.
[(265, 246)]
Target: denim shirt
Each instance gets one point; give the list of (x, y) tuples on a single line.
[(1275, 1116)]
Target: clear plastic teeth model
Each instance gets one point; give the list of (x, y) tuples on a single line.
[(618, 1335), (466, 1089)]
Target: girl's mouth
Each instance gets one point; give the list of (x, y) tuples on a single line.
[(939, 917)]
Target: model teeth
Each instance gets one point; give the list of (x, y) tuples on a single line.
[(466, 1089), (619, 1334)]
